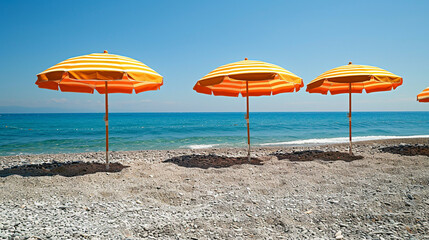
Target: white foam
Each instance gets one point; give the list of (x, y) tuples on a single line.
[(339, 140), (202, 146)]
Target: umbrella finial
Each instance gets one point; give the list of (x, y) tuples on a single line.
[(105, 51), (350, 63), (245, 58)]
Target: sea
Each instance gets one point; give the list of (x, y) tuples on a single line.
[(85, 132)]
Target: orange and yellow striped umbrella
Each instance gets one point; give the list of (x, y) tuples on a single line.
[(248, 78), (89, 72), (354, 79), (104, 72), (263, 79), (423, 96), (337, 80)]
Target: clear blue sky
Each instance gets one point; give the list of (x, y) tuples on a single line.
[(184, 40)]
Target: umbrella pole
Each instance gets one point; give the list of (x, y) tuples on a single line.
[(106, 120), (247, 119), (350, 118)]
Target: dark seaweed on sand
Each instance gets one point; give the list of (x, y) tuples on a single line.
[(211, 160), (312, 155), (407, 150), (66, 169)]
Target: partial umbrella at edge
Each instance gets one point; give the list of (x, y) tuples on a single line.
[(248, 78), (106, 73), (423, 96), (353, 78)]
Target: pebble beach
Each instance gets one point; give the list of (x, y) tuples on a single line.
[(306, 192)]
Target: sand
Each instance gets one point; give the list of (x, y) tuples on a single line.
[(216, 194)]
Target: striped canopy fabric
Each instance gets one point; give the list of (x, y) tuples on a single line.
[(337, 80), (423, 96), (89, 72), (263, 79)]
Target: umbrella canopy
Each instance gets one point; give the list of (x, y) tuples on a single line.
[(423, 96), (248, 78), (337, 80), (263, 79), (104, 72), (86, 73), (354, 79)]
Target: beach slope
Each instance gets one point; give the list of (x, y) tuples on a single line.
[(215, 194)]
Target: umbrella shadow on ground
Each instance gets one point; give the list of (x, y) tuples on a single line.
[(67, 169), (311, 155), (211, 161), (407, 150)]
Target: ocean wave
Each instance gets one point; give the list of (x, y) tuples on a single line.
[(201, 146), (314, 141)]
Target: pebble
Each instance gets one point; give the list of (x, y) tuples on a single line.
[(339, 235), (313, 199)]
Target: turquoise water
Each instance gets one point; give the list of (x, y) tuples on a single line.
[(84, 132)]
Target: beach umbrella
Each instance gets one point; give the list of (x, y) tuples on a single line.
[(353, 78), (423, 96), (248, 78), (104, 72)]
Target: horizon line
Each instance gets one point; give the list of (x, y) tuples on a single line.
[(209, 112)]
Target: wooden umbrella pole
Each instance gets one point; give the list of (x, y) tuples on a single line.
[(106, 120), (247, 119), (350, 118)]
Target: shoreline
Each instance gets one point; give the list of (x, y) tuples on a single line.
[(407, 140), (161, 194)]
